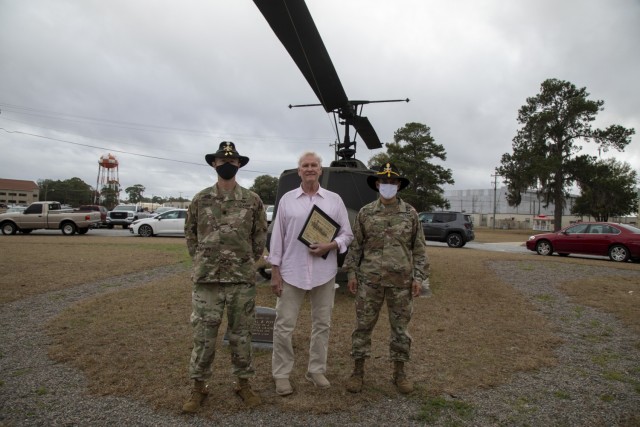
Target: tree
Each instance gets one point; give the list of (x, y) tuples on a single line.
[(73, 191), (608, 188), (555, 122), (158, 200), (266, 187), (411, 152), (135, 193), (109, 197)]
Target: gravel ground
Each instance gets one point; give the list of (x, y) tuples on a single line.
[(596, 381)]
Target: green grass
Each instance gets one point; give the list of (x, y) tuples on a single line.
[(435, 408), (604, 359), (545, 298), (560, 394)]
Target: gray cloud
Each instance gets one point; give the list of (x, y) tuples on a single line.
[(170, 80)]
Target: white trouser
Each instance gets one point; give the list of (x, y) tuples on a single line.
[(287, 309)]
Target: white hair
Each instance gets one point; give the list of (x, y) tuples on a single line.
[(310, 153)]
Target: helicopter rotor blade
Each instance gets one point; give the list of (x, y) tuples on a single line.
[(292, 23), (363, 126)]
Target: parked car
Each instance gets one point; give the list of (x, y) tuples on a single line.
[(269, 211), (124, 215), (169, 222), (455, 228), (48, 216), (103, 212), (620, 242)]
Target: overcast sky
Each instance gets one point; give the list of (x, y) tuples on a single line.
[(160, 83)]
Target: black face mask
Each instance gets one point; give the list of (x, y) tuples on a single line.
[(227, 171)]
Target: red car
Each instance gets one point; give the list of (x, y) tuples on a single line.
[(620, 242)]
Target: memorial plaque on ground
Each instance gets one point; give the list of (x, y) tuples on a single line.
[(262, 332)]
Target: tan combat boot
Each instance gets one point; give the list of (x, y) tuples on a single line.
[(354, 383), (198, 394), (248, 396), (403, 385)]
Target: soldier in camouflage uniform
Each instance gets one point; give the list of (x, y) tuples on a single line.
[(226, 230), (387, 260)]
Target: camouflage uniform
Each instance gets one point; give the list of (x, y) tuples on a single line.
[(225, 235), (387, 254)]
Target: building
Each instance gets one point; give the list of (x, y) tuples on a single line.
[(18, 192), (489, 208)]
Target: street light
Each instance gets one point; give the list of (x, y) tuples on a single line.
[(46, 191)]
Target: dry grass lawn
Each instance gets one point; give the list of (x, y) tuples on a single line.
[(34, 264), (489, 235), (619, 296), (143, 348), (474, 331)]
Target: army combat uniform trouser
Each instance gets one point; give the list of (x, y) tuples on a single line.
[(369, 300), (208, 301)]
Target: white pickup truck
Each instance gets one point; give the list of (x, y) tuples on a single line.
[(48, 215), (124, 215)]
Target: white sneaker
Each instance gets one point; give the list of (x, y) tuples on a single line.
[(283, 386), (319, 380)]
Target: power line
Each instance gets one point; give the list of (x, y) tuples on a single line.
[(74, 118), (116, 151)]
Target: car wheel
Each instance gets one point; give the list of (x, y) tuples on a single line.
[(454, 240), (110, 226), (125, 226), (68, 228), (145, 231), (543, 247), (9, 228), (618, 253)]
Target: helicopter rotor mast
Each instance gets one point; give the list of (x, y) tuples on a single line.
[(353, 118), (292, 23)]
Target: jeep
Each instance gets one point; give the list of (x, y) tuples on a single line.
[(455, 228)]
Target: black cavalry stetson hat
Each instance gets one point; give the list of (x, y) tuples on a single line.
[(387, 170), (227, 150)]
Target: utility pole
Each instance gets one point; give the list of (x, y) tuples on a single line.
[(495, 199)]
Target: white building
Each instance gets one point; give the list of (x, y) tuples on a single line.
[(530, 214)]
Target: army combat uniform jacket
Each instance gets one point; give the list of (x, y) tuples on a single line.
[(388, 248), (225, 235)]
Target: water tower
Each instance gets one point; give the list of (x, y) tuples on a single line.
[(107, 176)]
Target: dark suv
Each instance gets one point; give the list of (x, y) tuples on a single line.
[(455, 228)]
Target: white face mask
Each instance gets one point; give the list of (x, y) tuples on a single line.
[(388, 191)]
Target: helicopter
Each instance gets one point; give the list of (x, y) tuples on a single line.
[(292, 23)]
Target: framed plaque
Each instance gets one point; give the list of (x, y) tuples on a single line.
[(318, 228)]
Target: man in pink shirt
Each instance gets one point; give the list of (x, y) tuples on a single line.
[(298, 269)]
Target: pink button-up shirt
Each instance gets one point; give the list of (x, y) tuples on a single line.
[(297, 266)]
